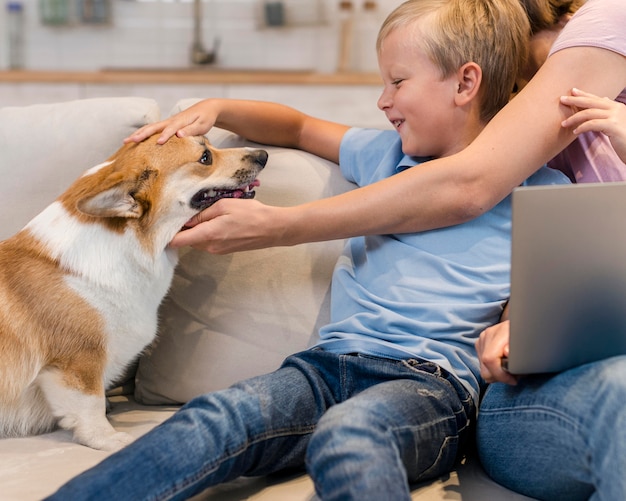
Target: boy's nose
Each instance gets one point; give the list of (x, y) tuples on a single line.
[(383, 101)]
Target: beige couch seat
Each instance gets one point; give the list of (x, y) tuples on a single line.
[(226, 317)]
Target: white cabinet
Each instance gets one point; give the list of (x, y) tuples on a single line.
[(349, 104)]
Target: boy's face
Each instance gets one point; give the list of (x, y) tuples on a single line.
[(418, 102)]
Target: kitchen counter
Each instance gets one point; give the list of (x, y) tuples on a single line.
[(195, 76)]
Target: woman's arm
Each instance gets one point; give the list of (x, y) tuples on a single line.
[(519, 140), (451, 190)]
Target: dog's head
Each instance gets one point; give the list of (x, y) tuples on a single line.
[(146, 184)]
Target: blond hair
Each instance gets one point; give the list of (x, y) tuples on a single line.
[(491, 33)]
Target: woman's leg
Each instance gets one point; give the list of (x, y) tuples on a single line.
[(404, 428), (559, 437), (258, 426)]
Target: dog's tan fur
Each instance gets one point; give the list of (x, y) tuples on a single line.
[(80, 285)]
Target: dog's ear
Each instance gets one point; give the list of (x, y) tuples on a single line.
[(113, 202), (124, 199)]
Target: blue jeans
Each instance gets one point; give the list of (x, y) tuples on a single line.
[(561, 436), (364, 427)]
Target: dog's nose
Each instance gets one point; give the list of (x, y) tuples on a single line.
[(259, 157)]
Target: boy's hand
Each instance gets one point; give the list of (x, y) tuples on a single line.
[(593, 113), (196, 120), (492, 345)]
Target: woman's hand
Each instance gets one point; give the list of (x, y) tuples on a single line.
[(492, 345), (233, 225), (600, 114), (196, 120)]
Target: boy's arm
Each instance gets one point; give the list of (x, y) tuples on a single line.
[(261, 122)]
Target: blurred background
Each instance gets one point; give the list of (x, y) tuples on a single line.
[(188, 43), (287, 34)]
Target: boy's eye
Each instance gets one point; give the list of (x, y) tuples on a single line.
[(397, 81)]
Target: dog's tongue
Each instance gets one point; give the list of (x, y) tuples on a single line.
[(205, 199), (239, 193), (233, 194)]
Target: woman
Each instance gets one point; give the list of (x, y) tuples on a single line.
[(561, 436), (592, 157)]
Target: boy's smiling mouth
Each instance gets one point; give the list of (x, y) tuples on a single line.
[(397, 123)]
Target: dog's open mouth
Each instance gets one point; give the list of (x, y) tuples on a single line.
[(206, 198)]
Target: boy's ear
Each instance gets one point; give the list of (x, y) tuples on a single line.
[(469, 77)]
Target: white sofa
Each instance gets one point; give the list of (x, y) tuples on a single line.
[(226, 318)]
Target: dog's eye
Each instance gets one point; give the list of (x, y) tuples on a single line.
[(206, 158)]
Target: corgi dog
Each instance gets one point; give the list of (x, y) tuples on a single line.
[(81, 284)]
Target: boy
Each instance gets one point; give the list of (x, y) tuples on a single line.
[(389, 394)]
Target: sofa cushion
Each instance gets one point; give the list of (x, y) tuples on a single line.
[(232, 317), (45, 147)]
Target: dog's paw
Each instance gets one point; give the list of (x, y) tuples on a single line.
[(109, 442), (116, 441)]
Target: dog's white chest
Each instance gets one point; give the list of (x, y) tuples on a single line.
[(129, 315), (114, 274)]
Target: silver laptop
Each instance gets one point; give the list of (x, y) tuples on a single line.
[(568, 276)]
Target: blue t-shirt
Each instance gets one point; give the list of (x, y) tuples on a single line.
[(424, 295)]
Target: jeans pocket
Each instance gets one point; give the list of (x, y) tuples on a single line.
[(436, 461)]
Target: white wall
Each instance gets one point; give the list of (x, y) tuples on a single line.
[(158, 34)]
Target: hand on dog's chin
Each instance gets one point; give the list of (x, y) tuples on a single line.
[(229, 225), (189, 225), (198, 218), (191, 238)]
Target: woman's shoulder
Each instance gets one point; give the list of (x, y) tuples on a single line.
[(598, 23)]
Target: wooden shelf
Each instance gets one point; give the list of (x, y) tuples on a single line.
[(201, 75)]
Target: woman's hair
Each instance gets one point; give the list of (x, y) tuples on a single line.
[(545, 14), (491, 33)]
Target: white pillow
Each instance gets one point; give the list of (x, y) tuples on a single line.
[(45, 147), (232, 317)]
